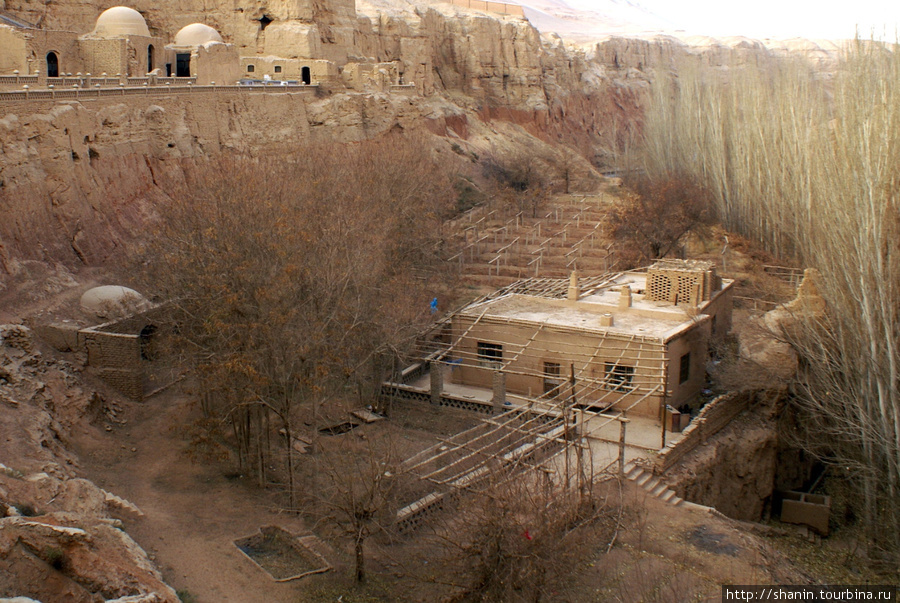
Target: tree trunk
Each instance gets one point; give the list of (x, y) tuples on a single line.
[(360, 558)]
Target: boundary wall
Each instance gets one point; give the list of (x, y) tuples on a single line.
[(712, 419)]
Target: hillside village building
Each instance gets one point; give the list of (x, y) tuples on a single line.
[(123, 46), (636, 341)]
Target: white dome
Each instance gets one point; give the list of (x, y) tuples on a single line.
[(110, 300), (120, 21), (196, 34)]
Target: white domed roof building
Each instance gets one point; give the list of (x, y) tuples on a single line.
[(120, 22), (139, 52), (196, 34), (112, 300), (199, 52)]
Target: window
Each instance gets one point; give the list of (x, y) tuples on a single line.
[(149, 58), (490, 355), (684, 369), (619, 377), (551, 376), (277, 68), (251, 68)]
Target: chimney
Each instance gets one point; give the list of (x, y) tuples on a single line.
[(625, 297), (606, 320), (574, 289)]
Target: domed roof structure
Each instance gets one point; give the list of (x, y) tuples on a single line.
[(111, 300), (196, 34), (120, 21)]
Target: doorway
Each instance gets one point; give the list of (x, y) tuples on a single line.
[(52, 65), (183, 65)]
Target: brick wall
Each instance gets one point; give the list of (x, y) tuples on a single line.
[(714, 416), (116, 358)]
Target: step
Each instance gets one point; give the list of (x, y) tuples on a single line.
[(651, 483), (659, 489), (668, 496), (646, 477), (633, 472)]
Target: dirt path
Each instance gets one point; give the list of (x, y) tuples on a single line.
[(193, 512)]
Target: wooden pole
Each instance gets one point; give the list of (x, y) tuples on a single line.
[(622, 423)]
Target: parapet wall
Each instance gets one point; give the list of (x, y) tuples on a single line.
[(493, 7), (714, 416)]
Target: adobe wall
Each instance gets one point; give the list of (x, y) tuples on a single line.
[(696, 342), (103, 56), (217, 63), (116, 358), (13, 51), (63, 43), (563, 348)]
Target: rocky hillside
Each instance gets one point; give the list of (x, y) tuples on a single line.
[(79, 178), (58, 540)]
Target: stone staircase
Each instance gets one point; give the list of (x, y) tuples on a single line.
[(653, 484)]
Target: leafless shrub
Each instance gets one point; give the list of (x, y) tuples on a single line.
[(655, 215), (522, 540)]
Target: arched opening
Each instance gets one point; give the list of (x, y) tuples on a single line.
[(149, 58), (304, 76), (52, 65), (146, 337)]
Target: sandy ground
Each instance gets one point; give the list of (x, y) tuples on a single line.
[(193, 512)]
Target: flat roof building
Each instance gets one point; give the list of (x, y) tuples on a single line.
[(633, 341)]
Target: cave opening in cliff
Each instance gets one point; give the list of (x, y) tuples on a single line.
[(304, 76), (264, 22), (52, 65)]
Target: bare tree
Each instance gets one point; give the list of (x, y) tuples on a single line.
[(808, 166), (519, 179), (287, 277), (656, 215), (356, 491)]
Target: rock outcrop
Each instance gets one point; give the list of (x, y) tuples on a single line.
[(58, 540)]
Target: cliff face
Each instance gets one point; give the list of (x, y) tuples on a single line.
[(78, 178)]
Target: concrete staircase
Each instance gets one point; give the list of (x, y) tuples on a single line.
[(653, 484)]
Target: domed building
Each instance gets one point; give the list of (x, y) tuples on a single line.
[(196, 34), (120, 22), (199, 52), (121, 43)]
